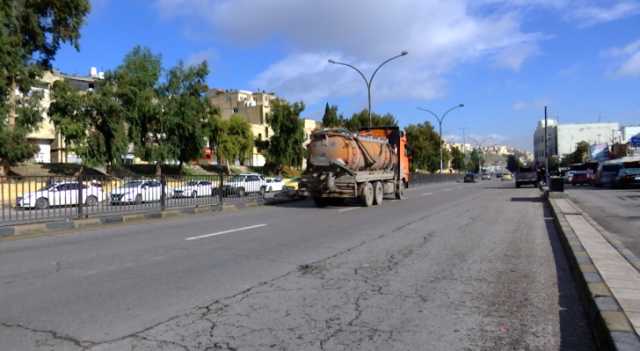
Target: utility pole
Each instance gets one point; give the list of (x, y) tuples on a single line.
[(546, 149)]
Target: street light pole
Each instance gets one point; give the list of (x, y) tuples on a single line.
[(370, 79), (440, 120)]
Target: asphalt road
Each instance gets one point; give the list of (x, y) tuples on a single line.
[(616, 210), (454, 267)]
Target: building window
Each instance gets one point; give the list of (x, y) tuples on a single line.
[(235, 110), (266, 132), (259, 136)]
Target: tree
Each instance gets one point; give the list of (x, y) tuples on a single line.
[(285, 147), (361, 120), (475, 160), (93, 123), (457, 159), (31, 33), (186, 110), (138, 87), (513, 163), (425, 146), (579, 155), (330, 119), (238, 139)]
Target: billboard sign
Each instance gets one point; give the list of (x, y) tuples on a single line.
[(635, 140), (599, 152)]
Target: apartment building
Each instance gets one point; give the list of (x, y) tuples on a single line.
[(51, 144)]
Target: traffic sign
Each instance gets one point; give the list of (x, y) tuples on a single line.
[(635, 140)]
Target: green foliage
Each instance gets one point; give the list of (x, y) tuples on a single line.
[(457, 159), (31, 33), (330, 119), (92, 122), (361, 120), (475, 159), (185, 110), (425, 145), (285, 147), (513, 163), (138, 90), (231, 139), (579, 155)]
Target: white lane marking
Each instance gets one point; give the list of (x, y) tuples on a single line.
[(447, 189), (426, 194), (347, 209), (225, 232)]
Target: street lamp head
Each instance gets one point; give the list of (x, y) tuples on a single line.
[(331, 61), (404, 52), (461, 105)]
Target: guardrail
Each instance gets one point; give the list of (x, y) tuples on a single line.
[(40, 199)]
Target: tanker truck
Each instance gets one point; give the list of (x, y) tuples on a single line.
[(367, 166)]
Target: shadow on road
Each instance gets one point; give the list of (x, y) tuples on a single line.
[(575, 332), (526, 199)]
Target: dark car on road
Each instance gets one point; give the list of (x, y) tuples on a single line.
[(526, 175), (607, 173), (469, 178), (629, 174)]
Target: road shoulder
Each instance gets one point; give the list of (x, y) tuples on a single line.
[(609, 282)]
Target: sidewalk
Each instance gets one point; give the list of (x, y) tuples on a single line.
[(612, 283)]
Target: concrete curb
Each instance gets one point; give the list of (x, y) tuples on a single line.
[(612, 329), (18, 230)]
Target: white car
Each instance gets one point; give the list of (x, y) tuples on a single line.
[(192, 188), (61, 194), (275, 184), (137, 192), (246, 183)]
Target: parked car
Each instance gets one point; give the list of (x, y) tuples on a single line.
[(274, 184), (192, 188), (243, 184), (526, 175), (628, 176), (61, 194), (507, 176), (137, 192), (580, 178), (486, 176), (470, 178)]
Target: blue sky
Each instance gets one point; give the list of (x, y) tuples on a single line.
[(503, 59)]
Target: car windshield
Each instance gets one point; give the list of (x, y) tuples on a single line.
[(192, 183), (132, 184), (236, 178)]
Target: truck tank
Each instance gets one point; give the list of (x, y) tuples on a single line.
[(355, 152)]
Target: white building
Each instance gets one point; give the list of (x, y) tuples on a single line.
[(627, 132), (563, 138)]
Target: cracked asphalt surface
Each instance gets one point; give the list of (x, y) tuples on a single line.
[(454, 267)]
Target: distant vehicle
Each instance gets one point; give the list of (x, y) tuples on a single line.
[(137, 192), (274, 184), (580, 174), (526, 175), (507, 176), (245, 183), (192, 188), (629, 175), (367, 165), (486, 176), (499, 175), (61, 194), (607, 173), (470, 178)]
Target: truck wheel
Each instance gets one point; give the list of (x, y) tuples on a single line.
[(320, 201), (368, 194), (379, 194), (400, 191)]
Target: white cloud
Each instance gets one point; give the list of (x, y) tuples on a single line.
[(595, 14), (200, 56), (626, 59), (537, 104), (439, 35)]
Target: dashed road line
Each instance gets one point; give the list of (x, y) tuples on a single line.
[(225, 232), (347, 209)]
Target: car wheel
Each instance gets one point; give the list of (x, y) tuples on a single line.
[(517, 185), (138, 199), (241, 192), (320, 201), (42, 203), (379, 194), (263, 190), (91, 201), (194, 194)]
